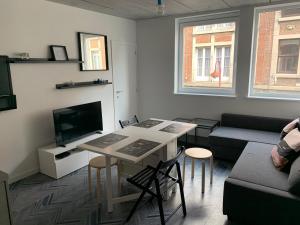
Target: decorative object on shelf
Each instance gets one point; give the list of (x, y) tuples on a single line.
[(93, 51), (22, 55), (7, 98), (72, 84), (160, 7), (59, 53)]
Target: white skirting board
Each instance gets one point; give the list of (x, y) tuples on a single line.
[(23, 175)]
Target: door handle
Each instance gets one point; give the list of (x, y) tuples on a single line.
[(118, 92)]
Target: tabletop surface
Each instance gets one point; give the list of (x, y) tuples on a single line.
[(198, 153), (205, 122), (144, 140), (201, 122)]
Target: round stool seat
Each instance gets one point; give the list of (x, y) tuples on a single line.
[(198, 153), (99, 162)]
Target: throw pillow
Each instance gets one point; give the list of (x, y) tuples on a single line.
[(294, 177), (287, 150), (292, 125)]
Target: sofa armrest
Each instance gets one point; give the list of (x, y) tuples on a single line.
[(250, 203)]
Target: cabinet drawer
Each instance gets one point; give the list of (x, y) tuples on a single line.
[(71, 163)]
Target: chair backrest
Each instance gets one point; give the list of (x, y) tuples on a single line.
[(131, 121), (171, 162)]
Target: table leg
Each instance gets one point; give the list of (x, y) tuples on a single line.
[(90, 178), (108, 184), (186, 140), (98, 185), (193, 168), (169, 154), (183, 170), (211, 169), (203, 176), (119, 175)]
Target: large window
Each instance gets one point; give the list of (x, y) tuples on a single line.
[(205, 54), (275, 67)]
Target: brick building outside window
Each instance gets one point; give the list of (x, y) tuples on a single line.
[(208, 55), (277, 62)]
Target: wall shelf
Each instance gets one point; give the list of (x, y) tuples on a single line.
[(42, 60), (81, 84)]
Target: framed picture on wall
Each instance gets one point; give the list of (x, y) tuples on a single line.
[(58, 53), (93, 52)]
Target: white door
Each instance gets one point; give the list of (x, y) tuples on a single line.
[(124, 63)]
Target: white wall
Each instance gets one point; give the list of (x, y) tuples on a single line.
[(30, 26), (155, 38)]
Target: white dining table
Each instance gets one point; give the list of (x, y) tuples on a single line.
[(134, 133)]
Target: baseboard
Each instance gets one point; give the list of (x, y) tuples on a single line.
[(23, 175)]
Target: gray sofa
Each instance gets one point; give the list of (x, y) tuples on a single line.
[(256, 192), (229, 140)]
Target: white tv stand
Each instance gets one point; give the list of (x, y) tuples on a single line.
[(57, 168)]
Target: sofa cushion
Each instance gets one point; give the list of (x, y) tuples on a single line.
[(288, 128), (287, 150), (237, 136), (254, 122), (255, 166), (294, 177), (249, 203)]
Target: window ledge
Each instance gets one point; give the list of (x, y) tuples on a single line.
[(288, 75), (290, 18), (204, 94), (274, 98)]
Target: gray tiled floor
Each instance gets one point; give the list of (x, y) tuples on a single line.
[(40, 200)]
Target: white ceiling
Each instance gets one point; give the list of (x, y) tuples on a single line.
[(140, 9)]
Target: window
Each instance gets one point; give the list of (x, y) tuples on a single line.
[(223, 59), (291, 12), (288, 56), (275, 65), (203, 64), (96, 55), (205, 54)]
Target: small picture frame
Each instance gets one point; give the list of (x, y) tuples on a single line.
[(58, 53)]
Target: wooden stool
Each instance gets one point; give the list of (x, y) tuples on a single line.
[(202, 154), (99, 163)]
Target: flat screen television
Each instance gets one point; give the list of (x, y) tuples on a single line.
[(75, 122)]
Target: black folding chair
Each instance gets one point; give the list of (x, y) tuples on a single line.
[(161, 179), (131, 121)]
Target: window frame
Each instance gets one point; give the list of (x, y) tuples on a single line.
[(207, 19), (287, 95)]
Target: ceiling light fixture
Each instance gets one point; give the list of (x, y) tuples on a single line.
[(160, 7)]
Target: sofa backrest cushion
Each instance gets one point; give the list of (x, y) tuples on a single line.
[(254, 122), (294, 177)]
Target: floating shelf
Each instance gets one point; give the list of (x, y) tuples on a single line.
[(80, 84), (42, 60)]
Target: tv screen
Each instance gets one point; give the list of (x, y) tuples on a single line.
[(75, 122)]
